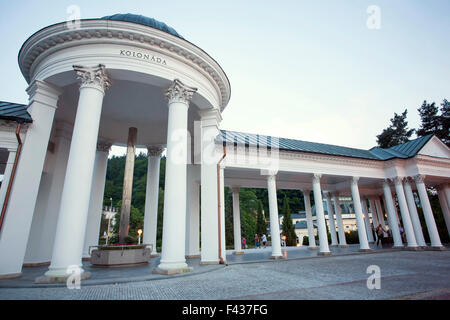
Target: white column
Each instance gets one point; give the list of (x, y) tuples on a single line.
[(45, 216), (19, 214), (309, 220), (413, 213), (447, 194), (274, 223), (363, 243), (367, 221), (341, 231), (392, 216), (381, 214), (193, 213), (428, 213), (73, 212), (96, 201), (152, 197), (444, 206), (222, 213), (174, 225), (323, 237), (237, 222), (406, 219), (334, 240), (210, 156), (373, 210), (7, 174)]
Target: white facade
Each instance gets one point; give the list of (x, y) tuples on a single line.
[(87, 86)]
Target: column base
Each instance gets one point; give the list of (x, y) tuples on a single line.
[(313, 248), (276, 257), (172, 271), (59, 278), (207, 263), (154, 255), (324, 253), (86, 259), (343, 246), (334, 245), (365, 250), (10, 276), (37, 264), (238, 253), (412, 248), (441, 248), (398, 247), (191, 256)]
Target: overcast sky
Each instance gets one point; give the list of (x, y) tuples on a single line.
[(308, 70)]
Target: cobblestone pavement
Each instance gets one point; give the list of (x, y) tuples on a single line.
[(404, 275)]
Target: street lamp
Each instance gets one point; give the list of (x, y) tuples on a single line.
[(139, 233), (109, 216)]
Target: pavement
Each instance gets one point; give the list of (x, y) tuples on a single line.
[(403, 275)]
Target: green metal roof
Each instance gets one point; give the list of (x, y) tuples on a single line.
[(15, 112), (403, 151), (143, 20)]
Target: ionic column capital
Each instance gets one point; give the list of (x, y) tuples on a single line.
[(328, 195), (155, 151), (179, 92), (387, 183), (104, 146), (355, 180), (398, 180), (316, 177), (420, 178), (235, 189), (93, 77)]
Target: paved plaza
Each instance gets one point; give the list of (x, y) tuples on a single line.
[(404, 275)]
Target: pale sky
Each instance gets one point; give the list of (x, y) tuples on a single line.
[(308, 70)]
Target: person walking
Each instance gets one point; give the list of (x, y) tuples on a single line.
[(380, 234), (256, 241), (244, 243), (264, 240), (402, 233)]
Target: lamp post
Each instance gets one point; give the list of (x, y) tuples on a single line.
[(109, 216), (139, 233)]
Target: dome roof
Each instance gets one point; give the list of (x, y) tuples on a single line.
[(143, 20)]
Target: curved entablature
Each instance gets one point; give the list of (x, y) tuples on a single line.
[(140, 43)]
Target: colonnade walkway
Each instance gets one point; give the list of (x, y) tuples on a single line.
[(303, 252), (100, 276)]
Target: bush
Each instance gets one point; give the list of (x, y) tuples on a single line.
[(352, 237)]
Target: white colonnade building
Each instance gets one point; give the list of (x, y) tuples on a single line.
[(89, 84)]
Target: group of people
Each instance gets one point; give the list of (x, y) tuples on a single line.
[(380, 231), (259, 241)]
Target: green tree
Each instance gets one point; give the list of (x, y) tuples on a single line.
[(445, 122), (433, 122), (430, 120), (397, 132), (136, 223), (288, 226), (261, 225)]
